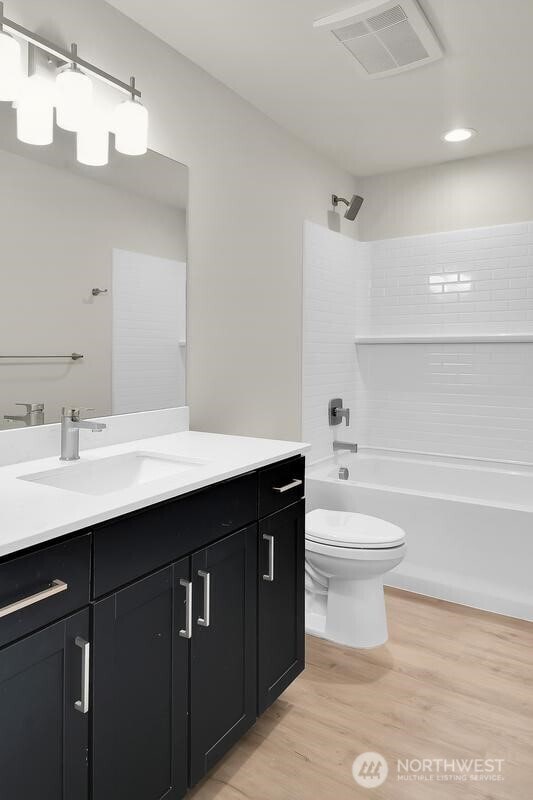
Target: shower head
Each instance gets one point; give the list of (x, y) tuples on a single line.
[(353, 205)]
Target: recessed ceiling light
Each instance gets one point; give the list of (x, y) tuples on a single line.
[(459, 135)]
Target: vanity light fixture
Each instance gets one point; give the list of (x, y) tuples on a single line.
[(459, 135), (92, 141), (74, 96), (130, 124), (34, 98), (35, 111)]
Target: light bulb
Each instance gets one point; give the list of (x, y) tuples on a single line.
[(93, 141), (10, 67), (459, 135), (35, 111), (130, 124), (74, 94)]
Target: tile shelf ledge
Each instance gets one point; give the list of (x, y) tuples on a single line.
[(473, 338)]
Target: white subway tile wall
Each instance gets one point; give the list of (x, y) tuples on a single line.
[(149, 318), (468, 400), (473, 400), (336, 271), (472, 281)]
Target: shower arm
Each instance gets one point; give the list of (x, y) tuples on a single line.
[(335, 199)]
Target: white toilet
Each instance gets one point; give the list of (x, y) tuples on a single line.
[(347, 555)]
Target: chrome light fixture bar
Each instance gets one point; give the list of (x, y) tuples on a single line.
[(66, 56)]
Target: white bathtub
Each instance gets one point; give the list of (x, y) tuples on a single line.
[(469, 524)]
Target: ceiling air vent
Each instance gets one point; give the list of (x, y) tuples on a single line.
[(385, 37)]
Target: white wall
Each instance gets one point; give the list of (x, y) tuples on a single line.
[(58, 235), (251, 187), (474, 192)]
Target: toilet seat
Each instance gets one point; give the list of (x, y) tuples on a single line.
[(356, 553), (351, 531)]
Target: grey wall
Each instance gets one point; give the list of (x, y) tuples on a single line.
[(251, 187), (474, 192), (58, 235)]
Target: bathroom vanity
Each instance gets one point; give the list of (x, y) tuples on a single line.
[(152, 593), (135, 651)]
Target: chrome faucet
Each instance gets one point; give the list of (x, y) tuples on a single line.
[(351, 446), (337, 412), (71, 425), (34, 414)]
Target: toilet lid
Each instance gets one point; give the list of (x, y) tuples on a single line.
[(347, 529)]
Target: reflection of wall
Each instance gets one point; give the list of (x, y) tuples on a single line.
[(58, 234)]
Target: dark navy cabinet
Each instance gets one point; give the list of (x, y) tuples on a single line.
[(133, 656), (139, 688), (223, 648), (44, 715), (281, 625)]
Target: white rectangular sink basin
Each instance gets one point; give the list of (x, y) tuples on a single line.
[(101, 476)]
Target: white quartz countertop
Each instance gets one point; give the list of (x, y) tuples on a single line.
[(32, 513)]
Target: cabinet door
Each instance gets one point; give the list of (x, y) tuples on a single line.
[(43, 735), (139, 688), (281, 617), (223, 648)]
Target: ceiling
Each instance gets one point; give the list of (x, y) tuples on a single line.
[(269, 53)]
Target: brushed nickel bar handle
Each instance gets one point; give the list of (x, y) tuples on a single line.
[(56, 587), (270, 574), (83, 705), (186, 632), (292, 485), (205, 621)]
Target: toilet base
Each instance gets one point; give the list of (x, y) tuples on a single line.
[(355, 614)]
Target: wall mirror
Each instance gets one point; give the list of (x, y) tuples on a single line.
[(94, 275)]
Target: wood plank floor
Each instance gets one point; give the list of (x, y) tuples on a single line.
[(452, 682)]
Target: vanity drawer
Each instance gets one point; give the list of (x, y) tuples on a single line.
[(43, 586), (281, 485), (145, 541)]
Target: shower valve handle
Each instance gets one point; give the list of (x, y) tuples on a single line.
[(337, 412)]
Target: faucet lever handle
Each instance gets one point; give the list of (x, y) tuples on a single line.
[(74, 413), (70, 412)]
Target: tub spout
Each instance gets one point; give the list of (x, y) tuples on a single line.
[(351, 446)]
